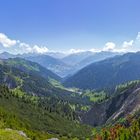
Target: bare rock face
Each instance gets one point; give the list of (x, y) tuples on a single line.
[(121, 105), (130, 106), (96, 115)]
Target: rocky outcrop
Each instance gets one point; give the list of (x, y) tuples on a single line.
[(121, 105), (130, 106)]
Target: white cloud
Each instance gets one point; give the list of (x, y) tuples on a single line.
[(127, 45), (109, 46), (21, 47), (6, 42), (95, 50), (36, 49)]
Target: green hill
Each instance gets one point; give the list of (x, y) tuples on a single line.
[(31, 67)]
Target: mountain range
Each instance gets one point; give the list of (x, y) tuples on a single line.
[(56, 65), (107, 73), (33, 99), (62, 64)]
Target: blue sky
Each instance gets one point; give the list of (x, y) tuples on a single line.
[(69, 24)]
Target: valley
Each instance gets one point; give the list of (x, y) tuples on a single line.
[(34, 100), (69, 70)]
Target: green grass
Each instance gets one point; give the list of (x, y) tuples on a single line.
[(94, 96), (23, 63), (7, 134), (56, 83)]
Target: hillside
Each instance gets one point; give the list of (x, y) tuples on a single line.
[(107, 73), (21, 112), (33, 79), (124, 130), (124, 102), (19, 73), (17, 109), (31, 67)]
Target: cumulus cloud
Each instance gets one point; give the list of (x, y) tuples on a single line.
[(32, 49), (21, 47), (36, 49), (7, 42), (109, 46), (127, 45)]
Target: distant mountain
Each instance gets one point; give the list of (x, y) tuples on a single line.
[(107, 73), (6, 55), (95, 57), (53, 64), (60, 65), (75, 58), (50, 61), (58, 55), (81, 60)]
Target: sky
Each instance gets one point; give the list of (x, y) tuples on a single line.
[(69, 25)]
